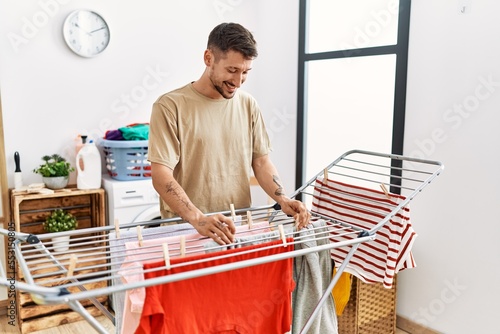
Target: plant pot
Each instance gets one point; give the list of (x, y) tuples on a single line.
[(60, 244), (57, 182)]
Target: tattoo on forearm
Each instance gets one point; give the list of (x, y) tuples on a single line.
[(170, 189), (279, 191)]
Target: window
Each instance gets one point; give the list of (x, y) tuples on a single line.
[(352, 79)]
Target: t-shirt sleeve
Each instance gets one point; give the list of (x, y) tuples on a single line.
[(164, 146), (261, 142)]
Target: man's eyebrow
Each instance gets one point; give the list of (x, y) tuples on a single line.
[(237, 68)]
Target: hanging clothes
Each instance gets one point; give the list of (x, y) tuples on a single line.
[(390, 252), (312, 274), (117, 255), (131, 269), (246, 239), (341, 292), (226, 302)]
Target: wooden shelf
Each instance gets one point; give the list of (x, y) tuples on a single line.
[(28, 212)]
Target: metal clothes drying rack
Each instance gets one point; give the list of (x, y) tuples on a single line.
[(50, 276)]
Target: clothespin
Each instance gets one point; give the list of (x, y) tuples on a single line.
[(234, 217), (166, 255), (183, 245), (384, 189), (250, 219), (282, 234), (139, 235), (117, 229), (72, 265), (233, 213), (325, 175)]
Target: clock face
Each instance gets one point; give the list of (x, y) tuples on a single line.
[(86, 33)]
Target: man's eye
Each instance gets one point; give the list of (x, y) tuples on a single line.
[(231, 71)]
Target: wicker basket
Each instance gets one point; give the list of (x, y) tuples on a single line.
[(371, 309)]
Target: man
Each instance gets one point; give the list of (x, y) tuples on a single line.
[(206, 137)]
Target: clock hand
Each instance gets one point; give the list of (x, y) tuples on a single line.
[(93, 31), (85, 31)]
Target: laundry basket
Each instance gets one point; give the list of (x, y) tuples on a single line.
[(126, 160), (371, 309)]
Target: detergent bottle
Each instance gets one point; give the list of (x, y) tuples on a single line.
[(88, 166)]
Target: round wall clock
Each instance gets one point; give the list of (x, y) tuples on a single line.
[(86, 33)]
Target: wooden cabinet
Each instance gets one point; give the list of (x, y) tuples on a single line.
[(29, 211)]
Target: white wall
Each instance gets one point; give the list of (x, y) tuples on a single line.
[(50, 95), (452, 56)]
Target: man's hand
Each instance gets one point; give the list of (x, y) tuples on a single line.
[(218, 227), (297, 210)]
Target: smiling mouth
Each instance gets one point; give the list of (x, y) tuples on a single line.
[(231, 87)]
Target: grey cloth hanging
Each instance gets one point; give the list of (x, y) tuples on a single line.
[(312, 274)]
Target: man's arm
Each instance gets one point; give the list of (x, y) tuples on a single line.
[(218, 227), (265, 172)]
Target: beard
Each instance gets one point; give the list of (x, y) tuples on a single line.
[(220, 88), (223, 87)]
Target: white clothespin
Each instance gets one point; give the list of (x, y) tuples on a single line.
[(325, 175), (139, 235), (282, 234), (384, 189), (233, 213), (166, 255), (117, 229), (234, 217), (250, 219), (72, 265), (183, 245)]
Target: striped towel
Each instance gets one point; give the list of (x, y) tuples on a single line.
[(374, 261)]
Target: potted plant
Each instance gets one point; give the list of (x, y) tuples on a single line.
[(60, 221), (55, 171)]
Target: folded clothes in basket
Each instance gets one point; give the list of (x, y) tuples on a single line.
[(135, 131)]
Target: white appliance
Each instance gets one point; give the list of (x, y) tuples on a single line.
[(130, 201)]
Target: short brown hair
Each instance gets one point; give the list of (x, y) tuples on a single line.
[(232, 36)]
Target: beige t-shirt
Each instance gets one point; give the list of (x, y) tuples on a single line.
[(209, 144)]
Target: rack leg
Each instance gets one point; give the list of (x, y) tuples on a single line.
[(77, 307)]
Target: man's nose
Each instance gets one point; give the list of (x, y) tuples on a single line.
[(238, 79)]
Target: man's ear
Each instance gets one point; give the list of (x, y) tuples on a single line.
[(208, 57)]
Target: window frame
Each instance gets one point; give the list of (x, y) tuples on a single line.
[(400, 49)]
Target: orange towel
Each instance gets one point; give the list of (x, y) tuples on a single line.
[(341, 292)]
